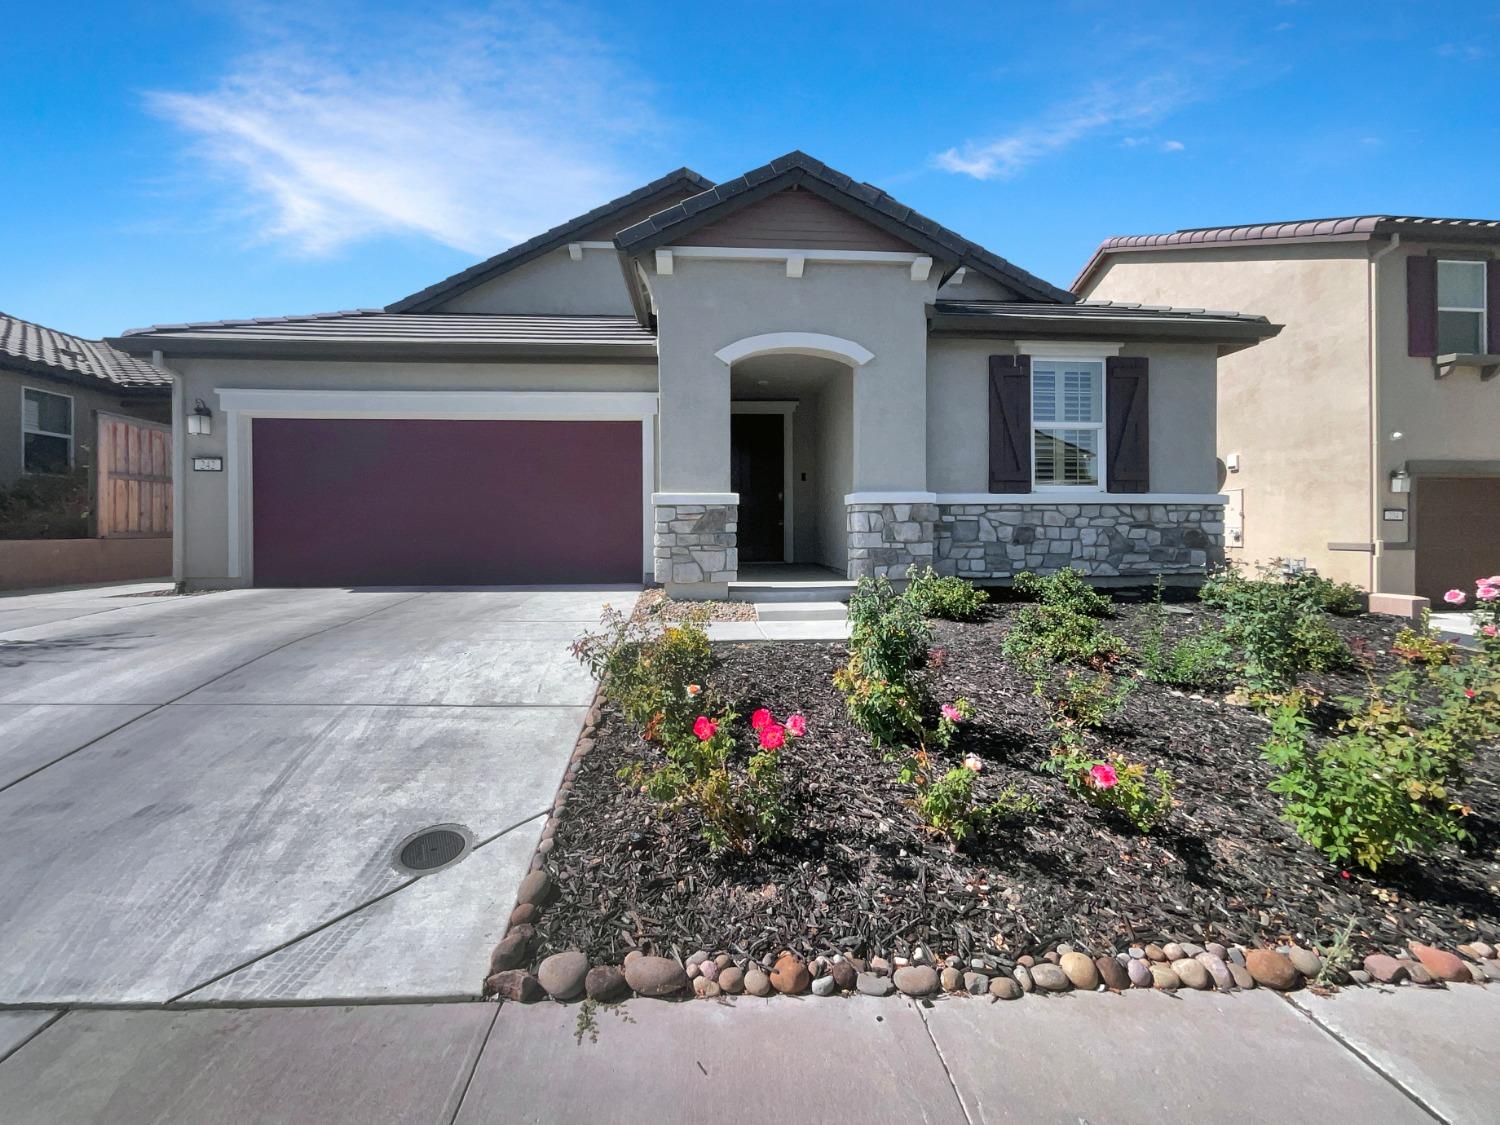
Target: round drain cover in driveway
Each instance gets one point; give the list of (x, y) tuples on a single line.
[(433, 848)]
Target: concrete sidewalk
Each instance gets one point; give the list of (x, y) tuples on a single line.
[(1408, 1055)]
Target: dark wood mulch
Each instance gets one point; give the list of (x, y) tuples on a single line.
[(858, 872)]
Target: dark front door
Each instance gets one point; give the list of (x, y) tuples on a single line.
[(756, 467), (1458, 534)]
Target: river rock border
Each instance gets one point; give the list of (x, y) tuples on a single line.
[(519, 971)]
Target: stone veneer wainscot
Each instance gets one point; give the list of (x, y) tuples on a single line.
[(888, 539), (695, 543), (997, 539)]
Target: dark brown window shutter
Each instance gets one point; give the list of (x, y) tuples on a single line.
[(1421, 305), (1492, 291), (1010, 423), (1127, 426)]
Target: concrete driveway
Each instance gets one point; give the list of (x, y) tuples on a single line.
[(200, 796)]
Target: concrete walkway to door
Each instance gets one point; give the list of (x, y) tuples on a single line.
[(200, 796)]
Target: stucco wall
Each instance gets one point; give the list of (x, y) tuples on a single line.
[(553, 284), (835, 459), (1182, 414), (204, 496), (976, 287), (86, 401), (1295, 407), (1452, 419), (705, 305)]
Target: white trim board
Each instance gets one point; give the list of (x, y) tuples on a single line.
[(242, 405), (786, 408)]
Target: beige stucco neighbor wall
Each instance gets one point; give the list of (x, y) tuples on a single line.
[(204, 496), (706, 305), (553, 285), (1182, 414), (1451, 419), (1295, 407)]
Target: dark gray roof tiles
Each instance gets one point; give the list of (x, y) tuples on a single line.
[(377, 324), (797, 167), (548, 240), (41, 348), (1117, 310)]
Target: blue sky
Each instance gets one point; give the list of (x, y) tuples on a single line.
[(169, 162)]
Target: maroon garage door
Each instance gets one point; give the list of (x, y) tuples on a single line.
[(376, 502)]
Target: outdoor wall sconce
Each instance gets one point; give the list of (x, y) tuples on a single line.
[(201, 420), (1400, 481)]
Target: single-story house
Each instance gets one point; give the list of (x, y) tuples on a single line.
[(693, 380), (1365, 439)]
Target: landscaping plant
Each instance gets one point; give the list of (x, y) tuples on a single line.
[(1275, 622), (1193, 663), (736, 805), (1083, 700), (1423, 645), (936, 595), (947, 805), (1063, 628), (1064, 589), (1385, 785), (1141, 795), (652, 671), (882, 683)]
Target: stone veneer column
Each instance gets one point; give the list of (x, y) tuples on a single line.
[(693, 548), (999, 539), (887, 539)]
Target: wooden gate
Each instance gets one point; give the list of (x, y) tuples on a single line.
[(133, 467)]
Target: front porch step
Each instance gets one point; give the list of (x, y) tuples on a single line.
[(832, 591), (802, 611)]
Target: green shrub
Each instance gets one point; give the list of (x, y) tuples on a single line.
[(652, 672), (1340, 598), (736, 805), (1276, 624), (1423, 646), (1084, 700), (882, 682), (1064, 589), (1129, 789), (936, 595), (948, 806), (1054, 634), (1193, 663), (1385, 786)]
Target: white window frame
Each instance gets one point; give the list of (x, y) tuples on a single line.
[(1102, 483), (72, 429), (1484, 297)]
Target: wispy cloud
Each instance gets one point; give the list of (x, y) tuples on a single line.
[(1172, 146), (473, 130), (1105, 109)]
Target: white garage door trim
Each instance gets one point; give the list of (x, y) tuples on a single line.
[(240, 405)]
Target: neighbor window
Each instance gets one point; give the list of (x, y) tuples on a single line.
[(46, 432), (1460, 302), (1067, 417)]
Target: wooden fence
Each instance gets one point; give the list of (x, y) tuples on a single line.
[(133, 461)]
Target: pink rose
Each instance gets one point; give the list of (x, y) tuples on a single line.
[(1490, 631), (772, 735), (761, 719), (1488, 593), (1103, 776), (1455, 597), (952, 713), (1492, 580), (796, 726), (704, 728)]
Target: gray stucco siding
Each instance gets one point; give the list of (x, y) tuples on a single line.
[(1183, 404), (706, 305)]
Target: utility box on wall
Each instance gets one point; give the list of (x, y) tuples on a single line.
[(1234, 518)]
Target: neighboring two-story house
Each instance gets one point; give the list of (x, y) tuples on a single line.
[(696, 380), (1365, 438)]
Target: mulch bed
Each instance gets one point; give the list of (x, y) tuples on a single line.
[(859, 874)]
